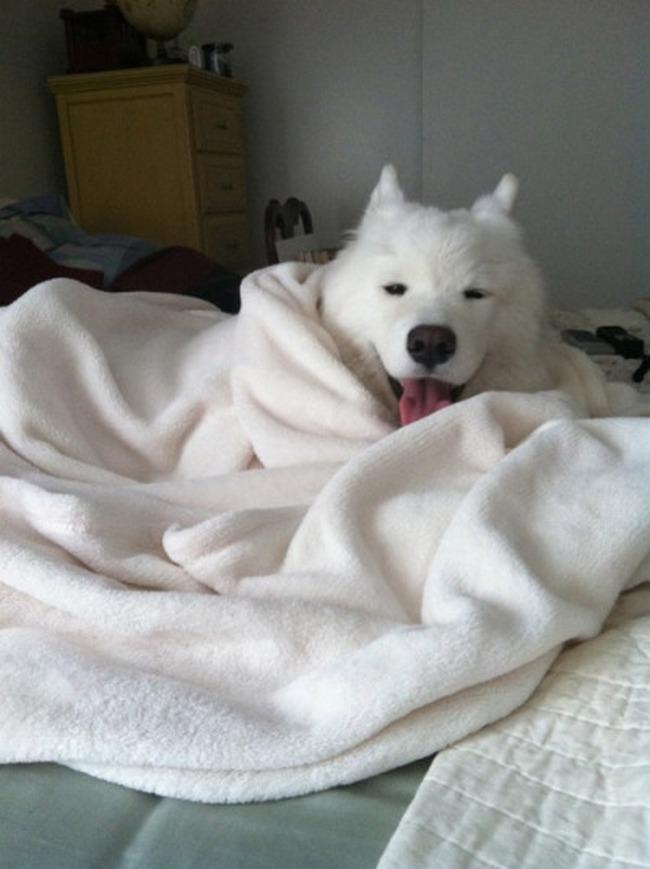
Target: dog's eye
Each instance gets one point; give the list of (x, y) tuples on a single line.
[(395, 289), (473, 293)]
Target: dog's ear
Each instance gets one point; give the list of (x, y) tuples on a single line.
[(501, 200), (505, 192), (387, 190)]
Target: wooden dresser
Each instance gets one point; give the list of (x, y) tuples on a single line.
[(157, 152)]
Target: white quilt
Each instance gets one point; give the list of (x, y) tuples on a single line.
[(562, 782), (176, 621)]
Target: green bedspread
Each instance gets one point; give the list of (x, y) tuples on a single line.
[(54, 818)]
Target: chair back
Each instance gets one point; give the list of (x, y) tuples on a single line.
[(281, 222)]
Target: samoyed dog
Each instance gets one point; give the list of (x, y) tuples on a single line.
[(438, 305)]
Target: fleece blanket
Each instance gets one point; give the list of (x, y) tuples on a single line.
[(226, 575)]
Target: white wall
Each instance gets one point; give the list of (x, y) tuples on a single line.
[(32, 46), (334, 93), (557, 91)]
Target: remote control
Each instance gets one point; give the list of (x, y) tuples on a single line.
[(624, 344), (587, 342), (642, 370)]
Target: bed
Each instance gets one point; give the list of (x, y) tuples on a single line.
[(559, 776)]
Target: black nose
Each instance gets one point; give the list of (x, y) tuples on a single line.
[(431, 345)]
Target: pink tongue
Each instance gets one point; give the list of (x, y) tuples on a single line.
[(422, 397)]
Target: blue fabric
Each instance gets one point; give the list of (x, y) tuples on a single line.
[(46, 222)]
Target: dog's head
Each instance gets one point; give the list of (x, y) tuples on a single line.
[(434, 296)]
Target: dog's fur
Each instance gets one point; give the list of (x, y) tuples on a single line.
[(437, 256)]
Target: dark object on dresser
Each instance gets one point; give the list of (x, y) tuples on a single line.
[(102, 39)]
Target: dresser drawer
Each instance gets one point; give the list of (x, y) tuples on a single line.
[(216, 121), (221, 183), (225, 239)]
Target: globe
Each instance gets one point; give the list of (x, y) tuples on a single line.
[(158, 19)]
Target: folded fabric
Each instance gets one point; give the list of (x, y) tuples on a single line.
[(178, 622), (46, 221), (39, 240), (184, 271), (23, 264)]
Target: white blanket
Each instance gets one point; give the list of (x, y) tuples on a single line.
[(175, 622)]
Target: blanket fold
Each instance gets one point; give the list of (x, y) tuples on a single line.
[(293, 395), (177, 622)]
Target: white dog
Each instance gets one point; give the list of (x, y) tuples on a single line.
[(444, 303)]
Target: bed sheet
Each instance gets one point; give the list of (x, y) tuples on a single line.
[(53, 817)]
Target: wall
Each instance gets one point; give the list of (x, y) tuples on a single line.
[(334, 93), (558, 92), (31, 48)]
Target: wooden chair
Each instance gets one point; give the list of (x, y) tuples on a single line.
[(289, 234)]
